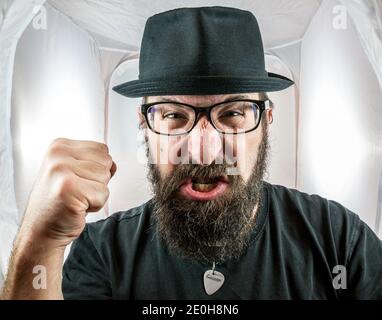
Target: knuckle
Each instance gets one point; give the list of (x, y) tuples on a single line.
[(106, 195), (55, 149), (105, 147), (108, 161), (57, 166), (59, 141), (102, 147), (103, 174), (107, 174), (103, 193)]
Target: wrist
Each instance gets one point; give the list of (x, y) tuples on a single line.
[(29, 239)]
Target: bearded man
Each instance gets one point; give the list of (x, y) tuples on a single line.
[(214, 228)]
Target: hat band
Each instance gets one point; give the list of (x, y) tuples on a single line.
[(204, 70)]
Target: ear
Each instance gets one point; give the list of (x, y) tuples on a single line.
[(141, 119), (142, 124), (270, 115)]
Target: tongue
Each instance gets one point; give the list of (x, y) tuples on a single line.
[(203, 187), (203, 191)]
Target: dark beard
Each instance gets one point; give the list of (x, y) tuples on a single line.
[(208, 231)]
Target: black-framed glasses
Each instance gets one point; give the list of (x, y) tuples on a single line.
[(228, 117)]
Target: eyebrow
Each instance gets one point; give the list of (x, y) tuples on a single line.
[(236, 97)]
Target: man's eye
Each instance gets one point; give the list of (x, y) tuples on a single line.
[(174, 115), (232, 113)]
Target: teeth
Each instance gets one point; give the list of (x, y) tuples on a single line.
[(203, 187)]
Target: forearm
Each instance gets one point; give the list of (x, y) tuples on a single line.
[(35, 269)]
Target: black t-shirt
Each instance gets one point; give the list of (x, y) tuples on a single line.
[(297, 242)]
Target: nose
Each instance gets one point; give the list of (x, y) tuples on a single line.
[(204, 143)]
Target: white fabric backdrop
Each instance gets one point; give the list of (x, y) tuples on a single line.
[(367, 19), (281, 21), (14, 18), (340, 124), (66, 60), (58, 91)]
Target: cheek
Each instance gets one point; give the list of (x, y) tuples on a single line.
[(160, 151), (244, 149), (159, 148), (168, 150)]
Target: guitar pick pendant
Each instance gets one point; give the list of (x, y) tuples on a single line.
[(213, 280)]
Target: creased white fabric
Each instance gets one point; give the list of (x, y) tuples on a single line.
[(340, 131), (281, 21), (367, 18), (14, 18), (58, 91)]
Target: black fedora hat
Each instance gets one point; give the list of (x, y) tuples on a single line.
[(200, 51)]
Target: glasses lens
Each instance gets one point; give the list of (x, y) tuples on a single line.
[(236, 116), (170, 118)]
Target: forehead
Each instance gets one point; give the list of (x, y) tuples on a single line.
[(207, 99)]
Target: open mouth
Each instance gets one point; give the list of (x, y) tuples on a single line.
[(204, 189), (204, 184)]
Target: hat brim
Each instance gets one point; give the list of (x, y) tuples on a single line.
[(202, 85)]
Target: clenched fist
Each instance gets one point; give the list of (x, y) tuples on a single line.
[(72, 182)]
